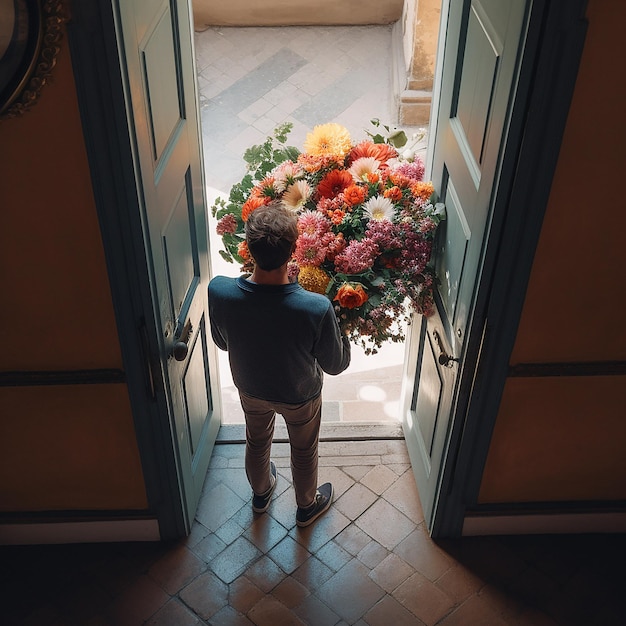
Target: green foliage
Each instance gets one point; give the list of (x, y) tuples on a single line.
[(261, 160), (396, 137)]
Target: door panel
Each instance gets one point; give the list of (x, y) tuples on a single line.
[(482, 45), (451, 252), (161, 76)]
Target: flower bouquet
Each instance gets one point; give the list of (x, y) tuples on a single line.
[(366, 220)]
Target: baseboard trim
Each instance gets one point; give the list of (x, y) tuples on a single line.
[(79, 532), (545, 523)]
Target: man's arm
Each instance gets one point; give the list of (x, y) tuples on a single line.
[(216, 333), (332, 349)]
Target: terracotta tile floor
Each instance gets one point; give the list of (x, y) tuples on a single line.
[(368, 561)]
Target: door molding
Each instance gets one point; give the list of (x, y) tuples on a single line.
[(102, 95), (547, 73)]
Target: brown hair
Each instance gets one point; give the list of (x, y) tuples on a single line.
[(271, 233)]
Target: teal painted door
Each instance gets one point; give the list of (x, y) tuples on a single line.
[(158, 49), (482, 40)]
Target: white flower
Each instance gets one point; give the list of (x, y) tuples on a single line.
[(379, 208), (362, 167), (285, 174), (296, 195)]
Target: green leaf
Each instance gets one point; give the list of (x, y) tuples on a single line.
[(226, 256), (398, 139), (374, 300)]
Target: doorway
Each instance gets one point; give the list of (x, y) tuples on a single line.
[(251, 79)]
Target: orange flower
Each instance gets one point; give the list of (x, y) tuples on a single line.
[(242, 251), (399, 180), (354, 194), (422, 190), (314, 163), (252, 203), (373, 178), (393, 193), (336, 216), (334, 183), (380, 151), (351, 296)]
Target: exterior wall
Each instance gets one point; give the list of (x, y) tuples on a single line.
[(294, 12), (68, 446), (420, 35), (561, 438)]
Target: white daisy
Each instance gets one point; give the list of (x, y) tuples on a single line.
[(379, 208), (364, 166), (296, 195)]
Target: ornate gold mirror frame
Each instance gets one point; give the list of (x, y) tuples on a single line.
[(30, 32)]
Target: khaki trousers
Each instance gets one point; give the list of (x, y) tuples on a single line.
[(303, 426)]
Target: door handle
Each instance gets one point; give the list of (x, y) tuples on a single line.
[(180, 345), (444, 358)]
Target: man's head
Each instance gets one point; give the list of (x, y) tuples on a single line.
[(271, 233)]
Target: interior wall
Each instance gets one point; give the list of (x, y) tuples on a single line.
[(61, 446), (557, 437)]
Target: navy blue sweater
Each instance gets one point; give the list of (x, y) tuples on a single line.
[(279, 338)]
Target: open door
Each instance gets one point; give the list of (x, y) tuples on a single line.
[(482, 44), (163, 118)]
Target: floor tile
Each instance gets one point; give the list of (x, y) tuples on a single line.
[(391, 572), (243, 594), (422, 553), (174, 613), (290, 592), (428, 603), (384, 523), (206, 595), (389, 611), (350, 592), (289, 555), (270, 612), (234, 559)]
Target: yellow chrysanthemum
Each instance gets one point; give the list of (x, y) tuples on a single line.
[(313, 279), (331, 140)]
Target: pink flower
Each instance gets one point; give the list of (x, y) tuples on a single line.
[(384, 234), (427, 225), (413, 170), (415, 252), (313, 223), (328, 204), (357, 257), (227, 224), (309, 250)]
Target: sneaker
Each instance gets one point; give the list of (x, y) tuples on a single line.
[(260, 503), (323, 500)]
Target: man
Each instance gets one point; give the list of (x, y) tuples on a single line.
[(280, 339)]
